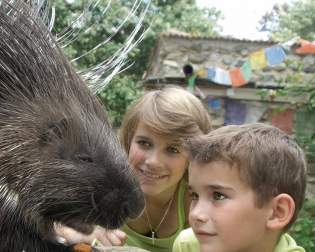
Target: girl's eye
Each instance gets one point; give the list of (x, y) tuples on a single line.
[(218, 196), (143, 143), (173, 150), (193, 196)]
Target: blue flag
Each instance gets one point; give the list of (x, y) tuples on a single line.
[(275, 55)]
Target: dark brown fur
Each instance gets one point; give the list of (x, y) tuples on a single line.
[(60, 161)]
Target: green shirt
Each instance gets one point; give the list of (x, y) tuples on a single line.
[(160, 244), (187, 242)]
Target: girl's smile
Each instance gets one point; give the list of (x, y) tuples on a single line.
[(159, 163), (147, 174)]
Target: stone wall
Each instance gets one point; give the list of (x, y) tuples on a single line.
[(174, 51)]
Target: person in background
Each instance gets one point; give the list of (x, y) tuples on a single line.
[(247, 185), (153, 132)]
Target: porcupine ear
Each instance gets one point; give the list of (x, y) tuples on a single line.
[(98, 76)]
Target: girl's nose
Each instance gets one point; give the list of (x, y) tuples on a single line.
[(153, 158)]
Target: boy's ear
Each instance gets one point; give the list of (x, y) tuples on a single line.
[(281, 211)]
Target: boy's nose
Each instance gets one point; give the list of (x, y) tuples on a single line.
[(199, 213)]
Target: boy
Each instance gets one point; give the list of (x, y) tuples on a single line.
[(247, 185)]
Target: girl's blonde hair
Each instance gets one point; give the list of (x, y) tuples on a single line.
[(171, 111)]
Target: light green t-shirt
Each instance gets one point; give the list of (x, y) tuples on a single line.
[(160, 244), (187, 242)]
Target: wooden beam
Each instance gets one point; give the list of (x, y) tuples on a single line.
[(250, 94)]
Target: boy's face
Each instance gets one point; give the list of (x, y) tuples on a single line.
[(223, 214)]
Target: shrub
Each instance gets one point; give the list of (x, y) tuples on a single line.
[(303, 230)]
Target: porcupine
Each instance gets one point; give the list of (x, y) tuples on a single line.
[(60, 161)]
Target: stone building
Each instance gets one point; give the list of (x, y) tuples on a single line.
[(254, 102)]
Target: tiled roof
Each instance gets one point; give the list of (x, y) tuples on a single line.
[(175, 33)]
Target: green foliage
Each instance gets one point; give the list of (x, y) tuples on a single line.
[(94, 28), (183, 15), (287, 21), (296, 85), (304, 228), (118, 96)]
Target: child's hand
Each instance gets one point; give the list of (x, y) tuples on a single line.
[(109, 237), (103, 236)]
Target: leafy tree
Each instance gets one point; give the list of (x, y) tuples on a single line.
[(118, 96), (183, 15), (289, 20)]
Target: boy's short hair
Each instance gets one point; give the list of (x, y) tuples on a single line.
[(269, 160), (172, 112)]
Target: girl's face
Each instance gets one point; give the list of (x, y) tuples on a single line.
[(159, 163)]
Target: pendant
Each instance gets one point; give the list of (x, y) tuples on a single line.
[(153, 236)]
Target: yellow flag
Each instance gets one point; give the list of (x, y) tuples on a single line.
[(202, 73), (258, 59)]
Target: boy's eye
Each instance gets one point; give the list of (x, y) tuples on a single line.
[(193, 196), (218, 196)]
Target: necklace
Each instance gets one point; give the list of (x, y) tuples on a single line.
[(154, 230)]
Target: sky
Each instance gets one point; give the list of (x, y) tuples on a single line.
[(241, 17)]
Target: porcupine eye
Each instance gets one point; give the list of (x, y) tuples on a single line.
[(84, 158)]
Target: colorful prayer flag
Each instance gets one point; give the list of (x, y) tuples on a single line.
[(258, 59), (275, 55), (202, 73), (306, 47), (222, 77), (237, 78), (191, 83), (210, 73), (246, 70), (288, 44)]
